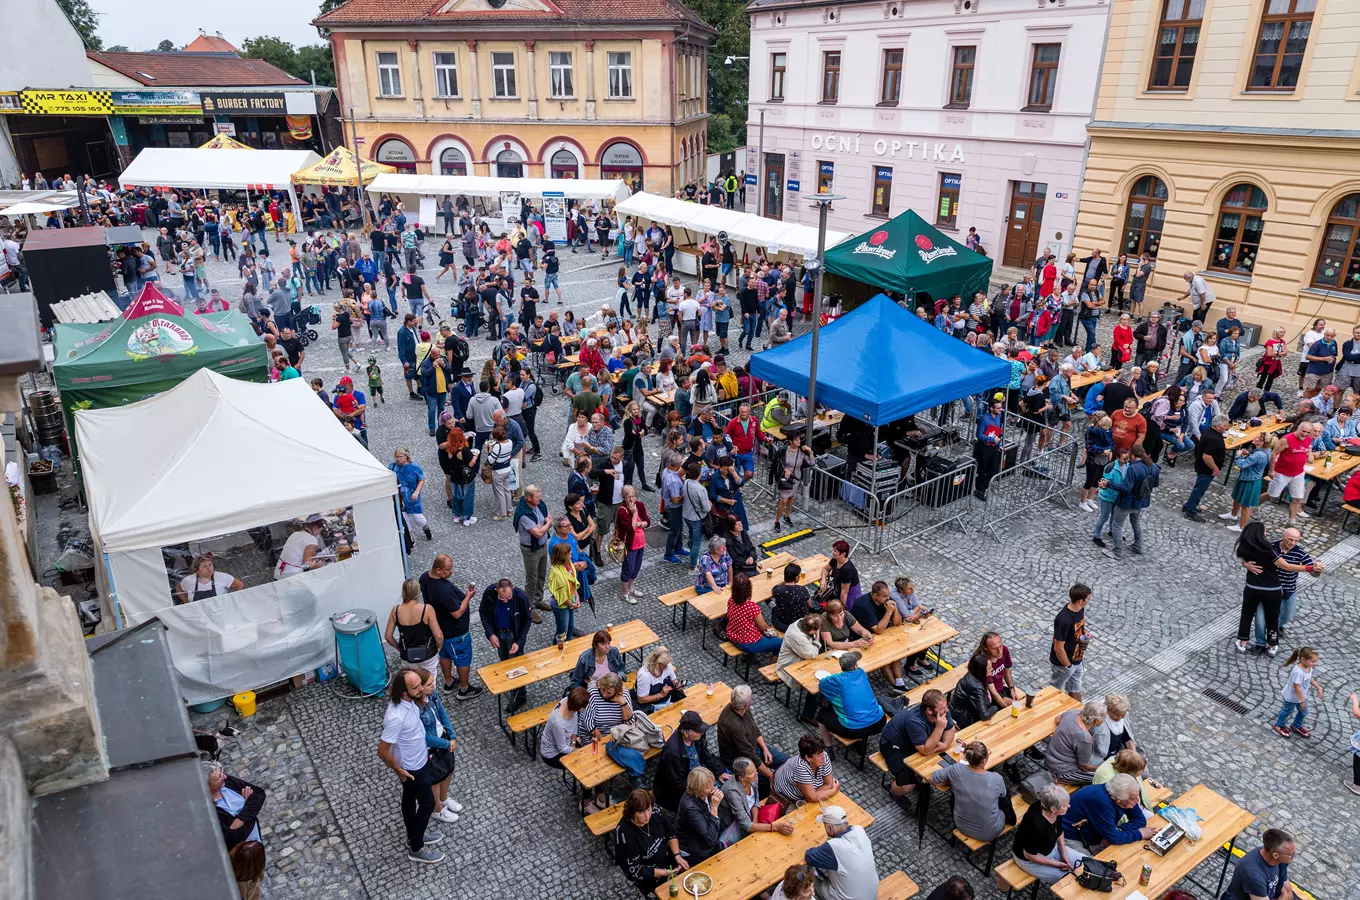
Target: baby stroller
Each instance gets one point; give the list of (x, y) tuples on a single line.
[(307, 317)]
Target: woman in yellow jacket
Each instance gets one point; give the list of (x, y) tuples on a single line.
[(564, 587)]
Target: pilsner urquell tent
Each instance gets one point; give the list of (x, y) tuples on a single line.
[(880, 363), (153, 347), (910, 256)]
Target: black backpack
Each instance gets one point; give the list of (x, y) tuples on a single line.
[(1142, 489)]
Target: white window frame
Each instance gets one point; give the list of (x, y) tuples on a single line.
[(503, 85), (560, 84), (389, 74), (446, 75), (623, 69)]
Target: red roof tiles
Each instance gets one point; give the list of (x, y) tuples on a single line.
[(387, 12), (195, 69)]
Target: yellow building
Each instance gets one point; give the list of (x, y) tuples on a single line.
[(1225, 141), (561, 89)]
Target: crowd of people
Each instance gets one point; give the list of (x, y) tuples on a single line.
[(659, 337)]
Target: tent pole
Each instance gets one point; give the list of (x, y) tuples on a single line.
[(816, 320)]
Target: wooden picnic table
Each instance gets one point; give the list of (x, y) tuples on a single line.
[(888, 647), (1328, 475), (713, 605), (680, 598), (660, 398), (1085, 379), (827, 419), (1005, 735), (591, 765), (759, 860), (550, 662), (1223, 822), (1235, 438)]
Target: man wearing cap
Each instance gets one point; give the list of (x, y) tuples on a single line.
[(845, 862), (684, 749)]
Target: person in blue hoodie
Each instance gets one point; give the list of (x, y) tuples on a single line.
[(850, 708), (1092, 820), (1135, 495)]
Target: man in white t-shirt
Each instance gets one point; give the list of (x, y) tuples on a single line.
[(689, 320), (1197, 290), (402, 749)]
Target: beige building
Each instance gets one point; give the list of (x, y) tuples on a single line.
[(556, 90), (1225, 142)]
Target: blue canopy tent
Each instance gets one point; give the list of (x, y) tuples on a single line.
[(880, 363)]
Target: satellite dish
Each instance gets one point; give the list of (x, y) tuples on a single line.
[(496, 4)]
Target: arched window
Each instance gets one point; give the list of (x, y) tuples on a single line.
[(1144, 218), (1240, 223), (1338, 264)]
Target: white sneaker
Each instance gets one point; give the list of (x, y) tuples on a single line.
[(453, 805), (1227, 515), (470, 520), (1304, 515), (630, 599), (445, 815), (637, 593), (1234, 527)]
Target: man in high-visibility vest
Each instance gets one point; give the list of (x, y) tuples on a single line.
[(731, 187)]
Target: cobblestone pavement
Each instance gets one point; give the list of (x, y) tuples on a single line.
[(1163, 625)]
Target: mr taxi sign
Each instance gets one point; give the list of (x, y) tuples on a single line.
[(925, 247), (67, 103)]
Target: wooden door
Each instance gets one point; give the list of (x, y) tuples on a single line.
[(1025, 224)]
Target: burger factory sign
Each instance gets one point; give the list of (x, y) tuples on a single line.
[(930, 151)]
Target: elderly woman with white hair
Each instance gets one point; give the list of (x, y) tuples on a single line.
[(739, 799), (1103, 814), (1071, 754), (238, 805), (697, 825), (657, 684), (1113, 734), (1040, 848)]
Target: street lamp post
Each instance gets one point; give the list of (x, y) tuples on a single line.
[(823, 202), (760, 173), (358, 168)]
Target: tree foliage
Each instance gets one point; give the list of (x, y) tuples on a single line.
[(85, 20), (297, 61), (166, 46), (116, 48), (726, 84)]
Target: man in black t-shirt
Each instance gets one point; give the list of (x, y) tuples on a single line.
[(451, 610), (289, 343), (416, 293), (1068, 653), (379, 240), (528, 302), (1210, 454)]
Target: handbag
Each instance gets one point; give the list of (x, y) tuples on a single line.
[(638, 733), (418, 654), (616, 549), (1030, 786), (768, 813), (1097, 875), (439, 766), (486, 473)]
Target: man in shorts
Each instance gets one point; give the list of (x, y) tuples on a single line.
[(1068, 653), (1290, 455), (926, 728), (451, 610)]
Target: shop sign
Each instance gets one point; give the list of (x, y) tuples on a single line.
[(157, 103), (244, 104), (169, 120), (9, 101), (930, 151), (619, 154), (794, 186), (66, 103), (227, 128)]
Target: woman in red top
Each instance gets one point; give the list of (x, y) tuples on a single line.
[(630, 524), (1272, 361), (1121, 348), (746, 627), (1048, 278)]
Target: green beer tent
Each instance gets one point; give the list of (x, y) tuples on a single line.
[(910, 256), (152, 348)]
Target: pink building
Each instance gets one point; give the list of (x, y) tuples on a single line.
[(971, 112)]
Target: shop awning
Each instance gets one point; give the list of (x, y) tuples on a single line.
[(880, 363), (910, 256), (743, 227), (340, 168), (488, 186), (259, 170)]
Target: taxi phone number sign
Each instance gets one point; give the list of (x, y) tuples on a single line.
[(67, 103)]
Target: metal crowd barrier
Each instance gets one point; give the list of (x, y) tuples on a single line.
[(1041, 478), (925, 506), (841, 506)]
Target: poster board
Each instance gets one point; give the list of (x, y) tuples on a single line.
[(555, 215)]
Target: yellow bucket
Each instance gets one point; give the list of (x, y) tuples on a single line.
[(244, 703)]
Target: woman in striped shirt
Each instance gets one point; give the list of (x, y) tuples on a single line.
[(608, 706)]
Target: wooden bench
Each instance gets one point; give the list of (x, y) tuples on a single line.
[(531, 721), (897, 886), (1010, 878), (731, 651), (604, 821), (974, 845), (882, 765), (681, 599), (1348, 510), (944, 683)]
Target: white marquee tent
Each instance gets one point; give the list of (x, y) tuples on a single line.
[(256, 172), (203, 463), (489, 186), (742, 227)]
